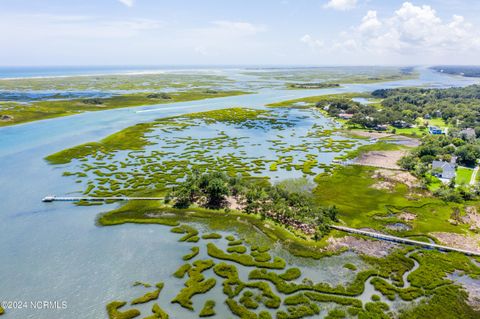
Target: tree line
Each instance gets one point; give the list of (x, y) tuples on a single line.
[(216, 190)]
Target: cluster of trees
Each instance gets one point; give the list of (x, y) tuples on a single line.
[(441, 147), (363, 114), (452, 193), (465, 70), (164, 96), (319, 85), (216, 190), (93, 101), (335, 106), (209, 190), (459, 107)]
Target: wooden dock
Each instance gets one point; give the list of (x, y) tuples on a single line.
[(49, 199), (402, 240)]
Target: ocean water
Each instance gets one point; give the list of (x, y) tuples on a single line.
[(51, 71)]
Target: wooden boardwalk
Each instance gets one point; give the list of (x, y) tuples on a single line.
[(385, 237), (49, 199), (404, 240)]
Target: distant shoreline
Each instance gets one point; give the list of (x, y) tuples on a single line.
[(71, 71)]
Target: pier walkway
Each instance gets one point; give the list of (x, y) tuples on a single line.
[(404, 240)]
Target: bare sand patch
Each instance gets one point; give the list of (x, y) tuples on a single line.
[(398, 177), (406, 141), (406, 216), (387, 179), (374, 248), (382, 159), (383, 185), (471, 243), (374, 135), (473, 296), (234, 203), (471, 218), (473, 289), (399, 227)]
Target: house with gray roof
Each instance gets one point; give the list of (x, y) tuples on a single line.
[(443, 170), (468, 134)]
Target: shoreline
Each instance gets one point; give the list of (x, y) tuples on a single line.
[(133, 72), (169, 216)]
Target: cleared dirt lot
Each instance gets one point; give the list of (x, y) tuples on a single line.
[(381, 159), (459, 241)]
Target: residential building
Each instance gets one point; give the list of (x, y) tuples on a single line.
[(468, 134), (345, 116), (443, 170), (435, 130)]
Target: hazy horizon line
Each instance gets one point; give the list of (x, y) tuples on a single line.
[(232, 65)]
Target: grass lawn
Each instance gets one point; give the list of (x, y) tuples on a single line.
[(361, 205), (433, 182), (438, 122), (412, 131), (464, 174)]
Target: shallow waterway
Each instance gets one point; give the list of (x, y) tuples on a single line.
[(55, 252)]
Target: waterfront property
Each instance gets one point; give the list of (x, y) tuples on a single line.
[(345, 116), (435, 130), (468, 134), (443, 170)]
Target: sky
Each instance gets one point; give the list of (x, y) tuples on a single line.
[(239, 32)]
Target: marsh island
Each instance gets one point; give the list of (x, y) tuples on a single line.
[(252, 192), (248, 170)]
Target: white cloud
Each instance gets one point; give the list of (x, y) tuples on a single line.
[(114, 40), (311, 42), (201, 50), (136, 24), (45, 27), (342, 5), (370, 22), (220, 37), (128, 3), (237, 27), (411, 30), (59, 18), (420, 27)]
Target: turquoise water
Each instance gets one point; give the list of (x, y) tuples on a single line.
[(55, 251)]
